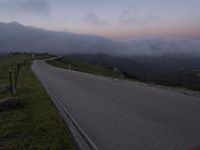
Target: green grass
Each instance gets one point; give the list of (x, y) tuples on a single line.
[(36, 123), (82, 66)]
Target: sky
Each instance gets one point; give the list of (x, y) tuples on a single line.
[(116, 19)]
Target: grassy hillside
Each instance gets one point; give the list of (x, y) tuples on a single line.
[(79, 65), (175, 71), (35, 123)]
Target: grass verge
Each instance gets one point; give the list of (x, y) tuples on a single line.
[(36, 123), (82, 66)]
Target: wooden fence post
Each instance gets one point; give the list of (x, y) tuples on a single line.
[(11, 86)]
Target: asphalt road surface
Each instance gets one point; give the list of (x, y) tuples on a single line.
[(125, 115)]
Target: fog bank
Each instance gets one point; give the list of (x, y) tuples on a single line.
[(16, 37)]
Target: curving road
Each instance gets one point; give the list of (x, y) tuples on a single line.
[(125, 115)]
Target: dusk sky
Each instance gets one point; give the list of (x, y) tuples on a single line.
[(117, 19)]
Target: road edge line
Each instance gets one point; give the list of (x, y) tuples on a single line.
[(80, 130), (60, 108)]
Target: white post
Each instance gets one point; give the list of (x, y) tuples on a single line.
[(69, 67)]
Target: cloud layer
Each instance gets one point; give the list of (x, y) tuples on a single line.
[(109, 18), (94, 19), (15, 37), (24, 6)]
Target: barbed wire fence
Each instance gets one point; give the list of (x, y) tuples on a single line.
[(14, 72)]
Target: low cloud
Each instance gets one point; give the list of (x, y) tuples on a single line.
[(94, 19), (25, 6), (15, 37)]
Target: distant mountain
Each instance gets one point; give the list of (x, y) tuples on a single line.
[(16, 37)]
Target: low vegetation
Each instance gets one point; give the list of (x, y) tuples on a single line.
[(35, 123), (78, 65), (162, 71)]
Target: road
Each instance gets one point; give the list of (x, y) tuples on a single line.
[(125, 115)]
